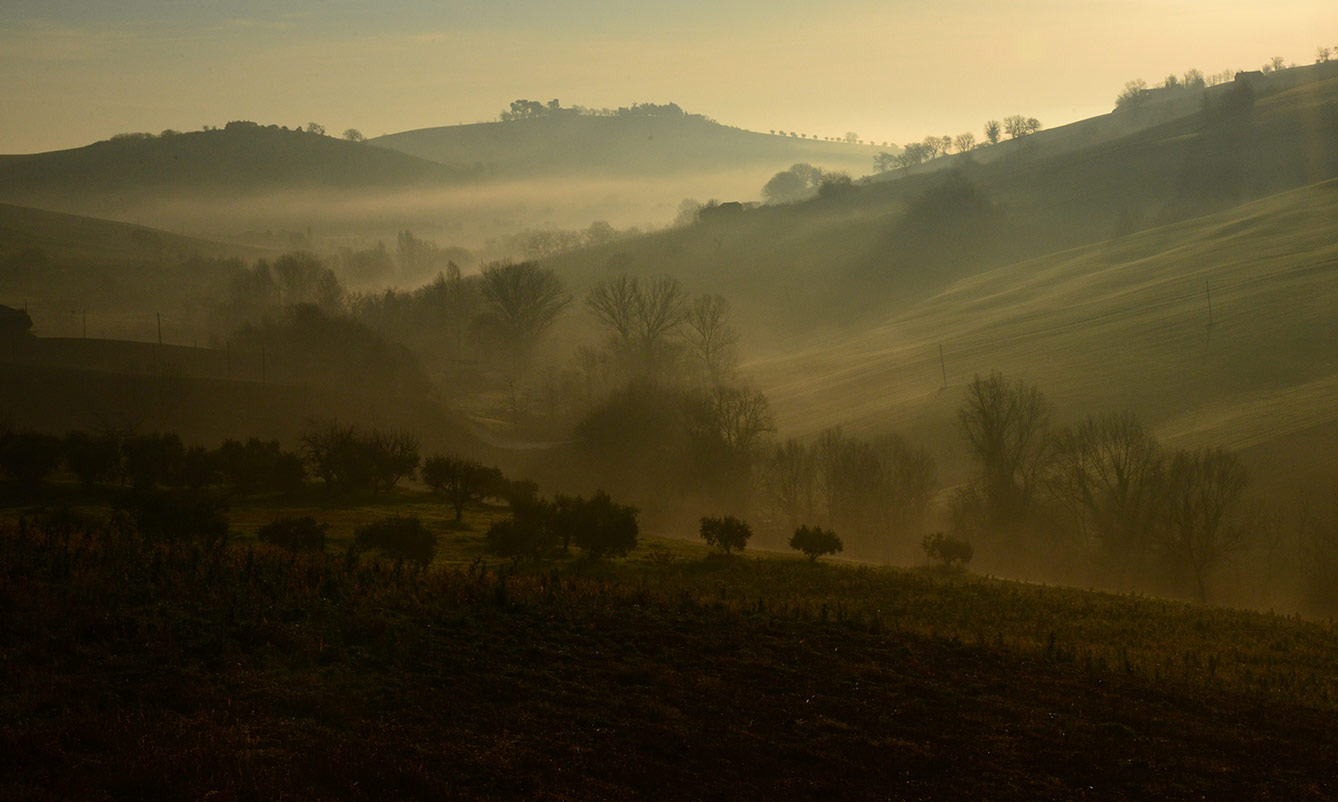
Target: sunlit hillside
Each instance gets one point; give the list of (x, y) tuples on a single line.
[(1119, 324), (644, 141), (1087, 272)]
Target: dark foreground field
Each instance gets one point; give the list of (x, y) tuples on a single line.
[(145, 671)]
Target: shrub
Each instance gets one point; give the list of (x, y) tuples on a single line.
[(814, 541), (199, 468), (294, 534), (527, 534), (27, 457), (947, 550), (153, 459), (462, 481), (176, 516), (260, 466), (351, 462), (92, 458), (600, 527), (726, 533), (401, 538), (394, 456)]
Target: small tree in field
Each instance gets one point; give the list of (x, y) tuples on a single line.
[(814, 541), (528, 533), (294, 534), (401, 538), (602, 527), (726, 534), (461, 480), (92, 458), (27, 457), (947, 551)]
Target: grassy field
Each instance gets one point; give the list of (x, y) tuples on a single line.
[(137, 669)]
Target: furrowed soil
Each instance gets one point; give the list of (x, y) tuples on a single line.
[(138, 670)]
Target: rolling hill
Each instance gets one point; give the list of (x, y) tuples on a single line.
[(76, 239), (239, 160), (1085, 271), (662, 142)]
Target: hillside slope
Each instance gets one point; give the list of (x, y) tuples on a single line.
[(619, 145), (239, 160), (1083, 271), (76, 239), (1117, 324), (151, 670)]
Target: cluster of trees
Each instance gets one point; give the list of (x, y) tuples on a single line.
[(296, 310), (1017, 126), (663, 383), (352, 462), (435, 320), (503, 312), (878, 490), (1104, 484), (544, 242), (1137, 92), (538, 527), (523, 109), (654, 327), (803, 181), (297, 277), (307, 345), (150, 461)]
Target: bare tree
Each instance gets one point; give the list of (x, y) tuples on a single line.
[(965, 142), (300, 275), (614, 303), (710, 338), (643, 317), (1133, 94), (521, 302), (742, 415), (992, 132), (1018, 126), (354, 135), (1110, 471), (790, 478), (1203, 519), (1006, 425)]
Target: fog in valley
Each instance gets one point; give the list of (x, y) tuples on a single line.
[(1077, 333)]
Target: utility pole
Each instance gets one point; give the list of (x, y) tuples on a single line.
[(943, 366), (160, 327), (1209, 289), (85, 324)]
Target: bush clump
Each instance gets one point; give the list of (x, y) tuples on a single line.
[(814, 541), (167, 516), (403, 538), (294, 534), (727, 533), (27, 457), (528, 533), (947, 551)]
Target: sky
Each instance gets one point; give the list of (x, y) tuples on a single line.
[(74, 72)]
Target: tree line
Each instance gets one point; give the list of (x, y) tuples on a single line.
[(1016, 126)]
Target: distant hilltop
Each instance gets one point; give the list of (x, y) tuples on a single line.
[(532, 138)]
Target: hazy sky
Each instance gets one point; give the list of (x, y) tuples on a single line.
[(75, 72)]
